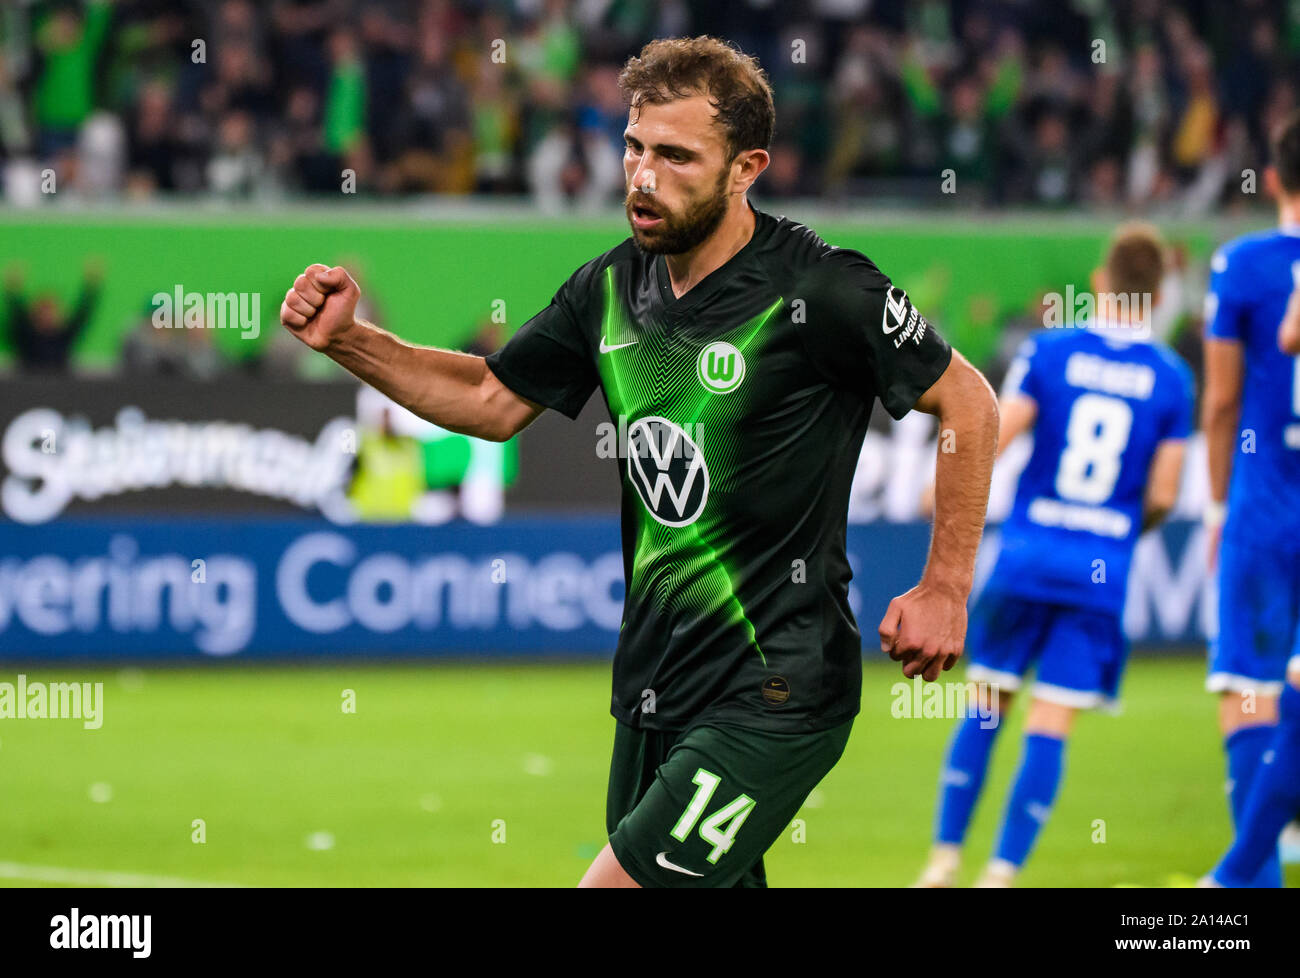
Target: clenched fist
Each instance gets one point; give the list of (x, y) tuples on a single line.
[(925, 629), (320, 307)]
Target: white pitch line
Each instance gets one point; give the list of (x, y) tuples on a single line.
[(94, 877)]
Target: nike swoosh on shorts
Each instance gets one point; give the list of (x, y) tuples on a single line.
[(662, 860)]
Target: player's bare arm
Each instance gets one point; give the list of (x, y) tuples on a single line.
[(456, 391), (925, 628), (1220, 412), (1288, 333), (1166, 476), (1016, 415)]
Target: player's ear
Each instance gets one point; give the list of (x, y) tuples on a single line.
[(746, 167), (1098, 280), (1272, 185)]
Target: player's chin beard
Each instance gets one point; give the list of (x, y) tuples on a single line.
[(678, 235)]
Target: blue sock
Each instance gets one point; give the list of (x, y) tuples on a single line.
[(1032, 797), (1274, 800), (963, 777), (1246, 747)]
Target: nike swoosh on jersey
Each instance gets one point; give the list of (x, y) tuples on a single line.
[(608, 348), (662, 860)]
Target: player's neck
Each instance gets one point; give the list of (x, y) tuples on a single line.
[(1124, 328), (1288, 213), (689, 268)]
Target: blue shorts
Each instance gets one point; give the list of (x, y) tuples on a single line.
[(1080, 652), (1259, 620)]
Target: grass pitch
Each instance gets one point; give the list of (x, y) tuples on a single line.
[(494, 775)]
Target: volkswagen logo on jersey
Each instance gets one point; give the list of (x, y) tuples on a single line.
[(721, 367), (668, 471)]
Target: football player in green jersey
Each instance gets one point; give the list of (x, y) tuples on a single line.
[(741, 355)]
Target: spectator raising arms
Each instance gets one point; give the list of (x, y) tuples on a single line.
[(41, 331)]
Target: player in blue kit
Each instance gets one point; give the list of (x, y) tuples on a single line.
[(1110, 412), (1251, 418)]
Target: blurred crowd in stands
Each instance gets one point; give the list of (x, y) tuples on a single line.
[(1090, 105), (1139, 104), (41, 327)]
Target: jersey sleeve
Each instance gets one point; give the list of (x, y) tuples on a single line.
[(1225, 310), (1024, 375), (548, 361), (863, 334)]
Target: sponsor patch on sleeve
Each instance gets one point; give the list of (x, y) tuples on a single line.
[(901, 321)]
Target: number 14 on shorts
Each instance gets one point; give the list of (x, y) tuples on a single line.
[(732, 815)]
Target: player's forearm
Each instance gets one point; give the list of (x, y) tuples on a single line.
[(1008, 431), (1219, 422), (1164, 481), (440, 386), (1288, 334), (962, 476), (1016, 415)]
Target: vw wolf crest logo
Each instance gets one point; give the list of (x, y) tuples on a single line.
[(721, 367), (668, 471)]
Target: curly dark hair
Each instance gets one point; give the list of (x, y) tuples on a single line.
[(736, 85)]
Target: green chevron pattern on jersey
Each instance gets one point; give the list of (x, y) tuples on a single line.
[(679, 566)]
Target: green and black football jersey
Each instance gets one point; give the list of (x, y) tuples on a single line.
[(741, 409)]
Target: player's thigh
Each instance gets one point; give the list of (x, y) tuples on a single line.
[(719, 801), (1258, 598), (606, 873), (1082, 660)]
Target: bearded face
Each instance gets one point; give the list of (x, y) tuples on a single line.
[(679, 172), (659, 229)]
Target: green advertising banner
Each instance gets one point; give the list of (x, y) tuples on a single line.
[(443, 278)]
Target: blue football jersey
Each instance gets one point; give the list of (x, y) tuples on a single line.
[(1251, 279), (1105, 402)]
